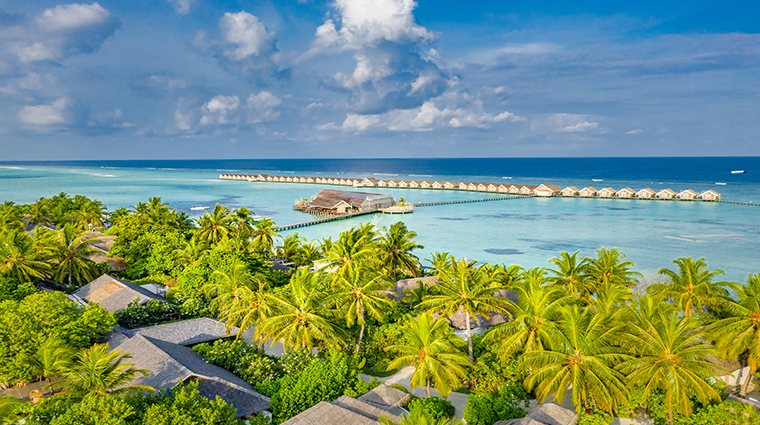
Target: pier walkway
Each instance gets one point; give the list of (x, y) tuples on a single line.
[(464, 201)]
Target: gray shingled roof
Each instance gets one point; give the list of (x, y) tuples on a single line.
[(343, 411), (169, 363), (186, 332), (114, 294), (545, 414), (385, 397)]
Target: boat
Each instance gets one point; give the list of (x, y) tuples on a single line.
[(597, 180), (196, 208), (721, 184), (738, 172)]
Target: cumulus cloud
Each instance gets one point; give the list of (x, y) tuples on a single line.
[(219, 110), (181, 7), (263, 107), (426, 117), (245, 46), (564, 123), (45, 115), (60, 32), (635, 131)]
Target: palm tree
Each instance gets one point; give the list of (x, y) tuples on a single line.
[(692, 287), (419, 417), (670, 355), (609, 266), (10, 217), (432, 348), (361, 292), (307, 254), (241, 219), (19, 259), (533, 328), (215, 226), (8, 406), (611, 298), (158, 211), (571, 275), (191, 251), (440, 261), (265, 233), (38, 214), (415, 296), (96, 371), (90, 215), (354, 246), (465, 287), (582, 356), (325, 245), (740, 332), (72, 252), (291, 244), (395, 247), (301, 315), (51, 359)]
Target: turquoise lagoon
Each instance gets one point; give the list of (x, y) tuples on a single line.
[(527, 231)]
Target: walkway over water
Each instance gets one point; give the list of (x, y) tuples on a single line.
[(336, 217)]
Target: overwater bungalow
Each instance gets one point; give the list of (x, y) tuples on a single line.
[(570, 191), (514, 189), (527, 190), (503, 188), (437, 185), (463, 186), (607, 192), (393, 183), (450, 185), (646, 194), (482, 187), (414, 184), (688, 195), (404, 183), (588, 192), (666, 194), (547, 190), (710, 195), (626, 193), (472, 186)]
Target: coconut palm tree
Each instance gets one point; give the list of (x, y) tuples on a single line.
[(307, 254), (415, 296), (19, 259), (440, 261), (215, 226), (241, 219), (97, 371), (740, 332), (571, 274), (395, 248), (354, 246), (581, 356), (671, 355), (91, 215), (432, 348), (610, 266), (10, 217), (191, 251), (291, 244), (611, 299), (692, 287), (464, 287), (533, 327), (157, 211), (301, 316), (71, 257), (8, 406), (52, 358), (362, 292), (38, 214), (265, 233), (325, 245)]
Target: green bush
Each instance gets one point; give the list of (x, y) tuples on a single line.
[(245, 361), (595, 418), (436, 407), (190, 304), (12, 289), (488, 408), (294, 362), (151, 313)]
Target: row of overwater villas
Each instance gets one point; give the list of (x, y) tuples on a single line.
[(544, 190)]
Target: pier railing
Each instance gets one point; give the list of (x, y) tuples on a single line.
[(464, 201)]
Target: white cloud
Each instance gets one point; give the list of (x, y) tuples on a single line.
[(636, 131), (181, 7), (245, 35), (263, 107), (564, 123), (60, 32), (45, 115), (218, 109), (424, 118), (368, 22), (579, 127)]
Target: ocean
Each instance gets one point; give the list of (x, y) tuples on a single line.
[(527, 231)]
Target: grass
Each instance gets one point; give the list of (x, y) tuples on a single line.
[(378, 373)]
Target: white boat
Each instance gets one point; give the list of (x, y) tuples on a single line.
[(721, 184), (597, 180), (195, 208), (738, 172)]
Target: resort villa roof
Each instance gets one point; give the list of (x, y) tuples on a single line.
[(114, 294), (185, 332), (366, 410), (331, 199), (168, 364), (545, 414)]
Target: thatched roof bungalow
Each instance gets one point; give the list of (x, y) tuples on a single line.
[(588, 192), (710, 195)]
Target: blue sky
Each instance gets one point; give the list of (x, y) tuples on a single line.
[(383, 78)]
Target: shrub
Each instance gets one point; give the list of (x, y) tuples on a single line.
[(151, 313), (595, 418), (488, 408), (12, 289), (294, 362), (436, 407), (190, 304), (245, 361)]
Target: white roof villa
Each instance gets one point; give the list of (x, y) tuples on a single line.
[(588, 192), (626, 193), (710, 195), (688, 195), (666, 194), (546, 190), (113, 294), (341, 201), (607, 192), (570, 191), (646, 193)]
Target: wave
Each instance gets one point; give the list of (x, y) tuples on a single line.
[(508, 178), (383, 174), (10, 168), (419, 175), (683, 239), (103, 175)]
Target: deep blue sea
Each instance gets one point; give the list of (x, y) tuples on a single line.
[(526, 231)]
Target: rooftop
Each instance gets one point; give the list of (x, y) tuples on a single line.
[(114, 294), (186, 332)]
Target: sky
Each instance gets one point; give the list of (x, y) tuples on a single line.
[(202, 79)]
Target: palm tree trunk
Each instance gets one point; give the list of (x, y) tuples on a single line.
[(428, 388), (745, 385), (469, 334), (361, 335)]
